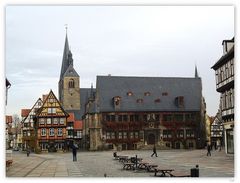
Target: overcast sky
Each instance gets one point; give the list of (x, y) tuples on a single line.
[(162, 41)]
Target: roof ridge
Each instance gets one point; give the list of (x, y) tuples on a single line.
[(147, 77)]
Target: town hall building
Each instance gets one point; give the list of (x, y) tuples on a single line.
[(126, 112)]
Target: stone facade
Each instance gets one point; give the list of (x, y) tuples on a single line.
[(71, 94)]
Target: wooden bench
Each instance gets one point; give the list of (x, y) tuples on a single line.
[(163, 172), (123, 159), (143, 165), (150, 167), (129, 166)]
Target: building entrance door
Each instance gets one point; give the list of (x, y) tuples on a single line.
[(151, 139), (177, 145)]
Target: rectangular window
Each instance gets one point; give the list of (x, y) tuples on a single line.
[(51, 132), (167, 117), (190, 117), (178, 117), (131, 118), (167, 134), (49, 121), (189, 133), (232, 67), (180, 134), (136, 135), (43, 132), (131, 135), (51, 110), (113, 118), (125, 118), (216, 77), (125, 135), (62, 121), (59, 131), (113, 135), (79, 134), (55, 121), (108, 135), (136, 117), (120, 118), (107, 117), (51, 100), (42, 121), (120, 135)]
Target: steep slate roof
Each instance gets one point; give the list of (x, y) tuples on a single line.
[(111, 86), (70, 72), (224, 59), (85, 93), (65, 58)]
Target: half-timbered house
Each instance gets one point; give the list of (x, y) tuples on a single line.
[(224, 73), (51, 120), (28, 125)]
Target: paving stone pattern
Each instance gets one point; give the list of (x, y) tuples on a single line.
[(96, 164)]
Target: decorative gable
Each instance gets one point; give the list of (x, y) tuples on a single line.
[(52, 106), (32, 112)]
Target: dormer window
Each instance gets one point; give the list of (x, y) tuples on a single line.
[(179, 101), (116, 101), (157, 100), (71, 83), (129, 93), (139, 100), (164, 93), (147, 94)]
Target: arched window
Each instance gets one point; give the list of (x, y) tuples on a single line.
[(71, 83)]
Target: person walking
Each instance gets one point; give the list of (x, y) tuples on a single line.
[(208, 149), (28, 152), (74, 152), (219, 145), (154, 151)]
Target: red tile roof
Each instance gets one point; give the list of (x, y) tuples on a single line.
[(71, 117), (78, 125), (44, 97), (25, 112), (9, 119)]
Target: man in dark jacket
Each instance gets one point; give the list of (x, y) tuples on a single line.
[(74, 152), (209, 149)]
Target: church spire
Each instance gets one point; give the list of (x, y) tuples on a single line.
[(91, 92), (196, 72), (65, 62)]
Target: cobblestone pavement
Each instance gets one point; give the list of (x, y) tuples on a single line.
[(96, 164)]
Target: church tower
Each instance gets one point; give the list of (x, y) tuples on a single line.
[(69, 82)]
